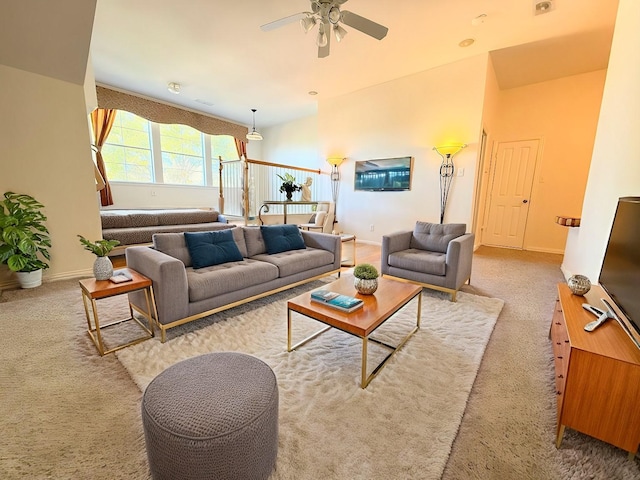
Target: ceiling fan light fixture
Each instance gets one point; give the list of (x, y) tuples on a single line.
[(253, 135), (339, 32), (322, 39), (307, 23), (334, 15)]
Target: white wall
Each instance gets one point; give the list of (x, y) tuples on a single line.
[(406, 117), (615, 165), (45, 152), (133, 196), (563, 114)]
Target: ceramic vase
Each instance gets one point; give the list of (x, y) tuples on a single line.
[(366, 286), (103, 268)]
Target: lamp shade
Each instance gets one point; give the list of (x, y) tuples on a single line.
[(450, 149), (335, 161)]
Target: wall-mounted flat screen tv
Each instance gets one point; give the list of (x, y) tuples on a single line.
[(386, 174)]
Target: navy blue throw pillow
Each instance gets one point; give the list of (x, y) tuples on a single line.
[(212, 248), (281, 238)]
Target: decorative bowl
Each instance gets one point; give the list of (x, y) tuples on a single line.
[(579, 284)]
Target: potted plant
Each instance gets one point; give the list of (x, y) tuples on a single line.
[(288, 185), (24, 238), (102, 267), (366, 278)]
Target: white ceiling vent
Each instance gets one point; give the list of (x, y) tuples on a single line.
[(542, 6)]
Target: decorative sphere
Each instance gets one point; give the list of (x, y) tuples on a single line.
[(579, 284)]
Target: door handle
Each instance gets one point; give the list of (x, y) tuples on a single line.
[(525, 201)]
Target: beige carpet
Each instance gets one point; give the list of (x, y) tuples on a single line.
[(404, 422), (66, 413)]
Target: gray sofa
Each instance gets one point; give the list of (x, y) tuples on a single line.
[(433, 255), (136, 227), (184, 293)]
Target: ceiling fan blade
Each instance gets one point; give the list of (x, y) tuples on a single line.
[(324, 51), (282, 22), (364, 25)]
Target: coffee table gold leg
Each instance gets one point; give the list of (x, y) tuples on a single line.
[(419, 309), (364, 382)]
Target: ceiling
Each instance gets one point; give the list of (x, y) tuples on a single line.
[(226, 65)]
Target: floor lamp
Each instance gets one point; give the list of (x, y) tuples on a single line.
[(335, 182), (446, 172)]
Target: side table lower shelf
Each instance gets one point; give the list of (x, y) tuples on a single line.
[(93, 290)]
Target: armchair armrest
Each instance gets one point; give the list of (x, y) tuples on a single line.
[(459, 259), (169, 278), (394, 242)]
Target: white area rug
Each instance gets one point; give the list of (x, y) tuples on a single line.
[(401, 426)]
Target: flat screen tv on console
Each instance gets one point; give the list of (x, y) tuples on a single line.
[(387, 174), (620, 273)]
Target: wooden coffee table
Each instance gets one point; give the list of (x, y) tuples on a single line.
[(390, 297)]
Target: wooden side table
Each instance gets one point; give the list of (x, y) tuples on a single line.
[(348, 261), (93, 290)]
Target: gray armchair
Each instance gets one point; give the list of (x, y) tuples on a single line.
[(433, 255)]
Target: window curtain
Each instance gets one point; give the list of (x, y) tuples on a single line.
[(102, 120), (159, 112), (241, 147)]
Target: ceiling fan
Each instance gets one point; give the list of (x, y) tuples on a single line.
[(329, 16)]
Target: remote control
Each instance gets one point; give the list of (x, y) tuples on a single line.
[(591, 326), (590, 308)]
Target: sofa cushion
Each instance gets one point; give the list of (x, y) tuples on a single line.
[(416, 260), (209, 282), (174, 245), (435, 237), (254, 241), (281, 238), (212, 248), (292, 262)]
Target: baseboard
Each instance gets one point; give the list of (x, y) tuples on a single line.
[(11, 284)]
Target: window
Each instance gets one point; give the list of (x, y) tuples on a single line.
[(182, 155), (127, 152), (138, 150)]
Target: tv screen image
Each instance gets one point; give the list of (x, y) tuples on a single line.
[(387, 174), (620, 273)]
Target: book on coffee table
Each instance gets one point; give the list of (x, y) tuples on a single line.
[(335, 300)]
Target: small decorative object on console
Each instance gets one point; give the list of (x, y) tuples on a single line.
[(579, 284), (366, 278)]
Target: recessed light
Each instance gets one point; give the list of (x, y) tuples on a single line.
[(173, 87), (466, 42), (543, 6), (313, 92)]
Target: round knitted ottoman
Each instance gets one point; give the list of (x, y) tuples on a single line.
[(212, 417)]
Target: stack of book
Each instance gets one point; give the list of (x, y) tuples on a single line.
[(335, 300)]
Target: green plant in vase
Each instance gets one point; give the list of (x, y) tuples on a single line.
[(24, 238), (288, 185), (366, 278), (102, 267)]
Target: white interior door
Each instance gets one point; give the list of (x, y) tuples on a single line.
[(512, 180)]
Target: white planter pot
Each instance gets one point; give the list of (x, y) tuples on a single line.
[(30, 279), (103, 268)]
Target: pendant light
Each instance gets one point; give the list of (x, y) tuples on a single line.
[(254, 135)]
